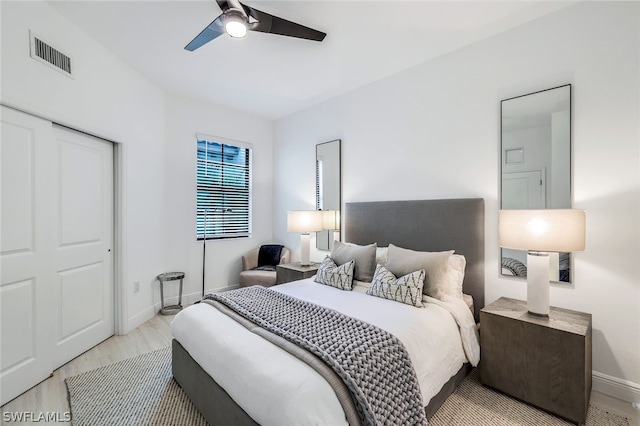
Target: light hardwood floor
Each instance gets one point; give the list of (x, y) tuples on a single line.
[(51, 395)]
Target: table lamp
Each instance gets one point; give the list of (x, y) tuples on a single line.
[(304, 222), (540, 232)]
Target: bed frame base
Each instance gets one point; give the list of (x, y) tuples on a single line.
[(217, 407), (447, 390), (213, 402)]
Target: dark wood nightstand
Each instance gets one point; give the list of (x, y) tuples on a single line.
[(542, 361), (294, 271)]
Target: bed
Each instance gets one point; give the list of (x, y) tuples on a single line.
[(424, 225)]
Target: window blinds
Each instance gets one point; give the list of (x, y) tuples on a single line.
[(319, 189), (224, 190)]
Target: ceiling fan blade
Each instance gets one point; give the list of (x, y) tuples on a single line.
[(224, 4), (272, 24), (212, 31)]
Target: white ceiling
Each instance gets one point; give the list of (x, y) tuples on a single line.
[(274, 76)]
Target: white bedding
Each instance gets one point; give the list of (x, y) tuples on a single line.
[(276, 388)]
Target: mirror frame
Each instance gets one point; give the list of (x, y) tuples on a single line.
[(324, 239), (518, 156)]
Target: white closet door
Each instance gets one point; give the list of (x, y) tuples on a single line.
[(56, 250), (83, 250), (27, 302)]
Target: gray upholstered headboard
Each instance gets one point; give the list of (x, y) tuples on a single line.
[(425, 225)]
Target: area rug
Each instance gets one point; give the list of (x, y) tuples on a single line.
[(474, 404), (141, 391), (136, 391)]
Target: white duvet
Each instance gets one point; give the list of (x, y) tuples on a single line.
[(276, 388)]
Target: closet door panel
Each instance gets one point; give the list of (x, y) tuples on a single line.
[(25, 253), (84, 239), (56, 248)]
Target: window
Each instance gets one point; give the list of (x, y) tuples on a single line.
[(224, 190)]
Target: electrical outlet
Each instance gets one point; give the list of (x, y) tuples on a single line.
[(136, 287)]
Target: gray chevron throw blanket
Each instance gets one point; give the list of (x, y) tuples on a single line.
[(373, 363)]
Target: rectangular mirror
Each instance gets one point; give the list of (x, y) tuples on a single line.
[(536, 165), (328, 191)]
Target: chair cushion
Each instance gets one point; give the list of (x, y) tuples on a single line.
[(264, 268)]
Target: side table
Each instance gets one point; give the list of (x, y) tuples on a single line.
[(294, 271), (170, 276), (544, 361)]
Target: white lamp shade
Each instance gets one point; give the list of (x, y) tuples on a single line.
[(304, 221), (330, 219), (542, 230)]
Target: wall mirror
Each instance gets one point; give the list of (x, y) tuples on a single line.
[(328, 192), (536, 165)]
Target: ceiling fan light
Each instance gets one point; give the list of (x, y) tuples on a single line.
[(235, 26)]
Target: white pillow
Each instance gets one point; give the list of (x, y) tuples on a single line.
[(406, 289), (452, 281), (382, 255)]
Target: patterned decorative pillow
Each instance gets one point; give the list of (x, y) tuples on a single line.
[(406, 289), (336, 276)]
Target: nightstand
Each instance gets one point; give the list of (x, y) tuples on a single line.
[(543, 361), (294, 271)]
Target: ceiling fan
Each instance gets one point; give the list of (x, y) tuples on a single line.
[(237, 18)]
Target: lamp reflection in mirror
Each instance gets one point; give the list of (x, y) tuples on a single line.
[(331, 222), (540, 232), (304, 222)]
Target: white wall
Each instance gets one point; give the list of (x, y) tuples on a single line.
[(106, 98), (433, 132), (186, 118), (155, 136)]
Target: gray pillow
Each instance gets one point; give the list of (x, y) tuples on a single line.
[(435, 264), (364, 256)]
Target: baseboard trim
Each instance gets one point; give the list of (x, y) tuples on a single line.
[(191, 298), (148, 313), (139, 319), (619, 388)]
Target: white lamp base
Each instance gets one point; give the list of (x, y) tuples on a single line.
[(538, 283), (305, 244)]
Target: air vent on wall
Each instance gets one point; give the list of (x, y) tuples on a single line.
[(48, 55)]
